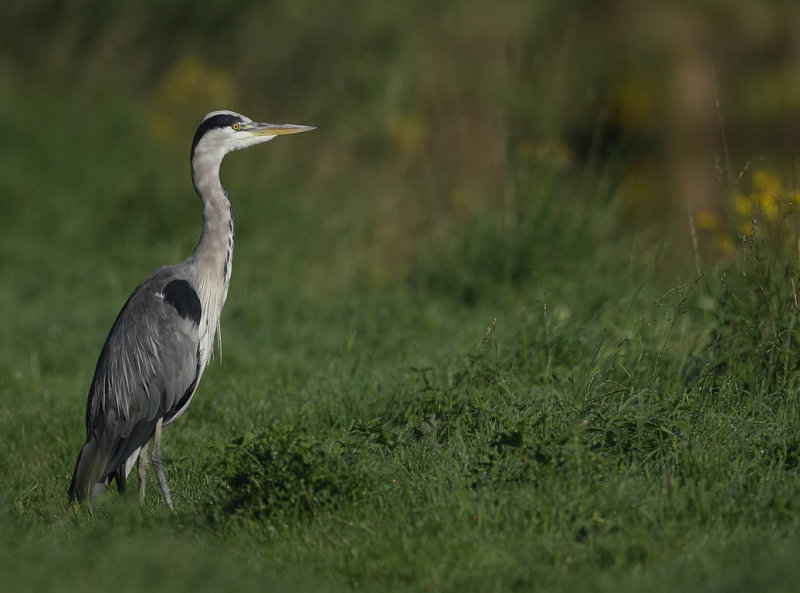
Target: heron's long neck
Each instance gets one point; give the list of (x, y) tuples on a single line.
[(213, 256)]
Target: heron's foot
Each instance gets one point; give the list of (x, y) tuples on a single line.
[(158, 465)]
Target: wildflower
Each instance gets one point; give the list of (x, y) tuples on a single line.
[(769, 205), (767, 182), (725, 244), (708, 221), (744, 206)]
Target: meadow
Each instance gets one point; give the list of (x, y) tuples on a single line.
[(457, 355)]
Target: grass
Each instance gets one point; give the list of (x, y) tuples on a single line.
[(526, 410), (427, 384)]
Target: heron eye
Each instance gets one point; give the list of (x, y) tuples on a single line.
[(235, 126)]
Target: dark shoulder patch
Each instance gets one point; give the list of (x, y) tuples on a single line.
[(181, 295)]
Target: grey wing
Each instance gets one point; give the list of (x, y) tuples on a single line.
[(148, 368)]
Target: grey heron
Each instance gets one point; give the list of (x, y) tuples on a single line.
[(162, 339)]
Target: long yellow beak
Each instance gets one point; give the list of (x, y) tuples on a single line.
[(260, 129)]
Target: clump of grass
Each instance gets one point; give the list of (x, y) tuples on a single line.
[(286, 472), (754, 312)]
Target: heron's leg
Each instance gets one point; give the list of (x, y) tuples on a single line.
[(158, 464), (144, 463)]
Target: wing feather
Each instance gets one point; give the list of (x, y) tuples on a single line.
[(149, 361)]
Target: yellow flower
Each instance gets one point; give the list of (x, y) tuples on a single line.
[(769, 205), (725, 244), (744, 205), (767, 182), (708, 221), (747, 228)]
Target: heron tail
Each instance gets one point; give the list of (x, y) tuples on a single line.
[(90, 477)]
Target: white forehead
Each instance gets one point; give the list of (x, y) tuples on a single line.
[(244, 118)]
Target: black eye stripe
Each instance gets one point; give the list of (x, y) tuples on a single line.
[(223, 120)]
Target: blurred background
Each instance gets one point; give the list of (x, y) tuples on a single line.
[(431, 115)]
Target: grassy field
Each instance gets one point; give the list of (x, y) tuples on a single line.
[(435, 376)]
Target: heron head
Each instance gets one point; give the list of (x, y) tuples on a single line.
[(224, 131)]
